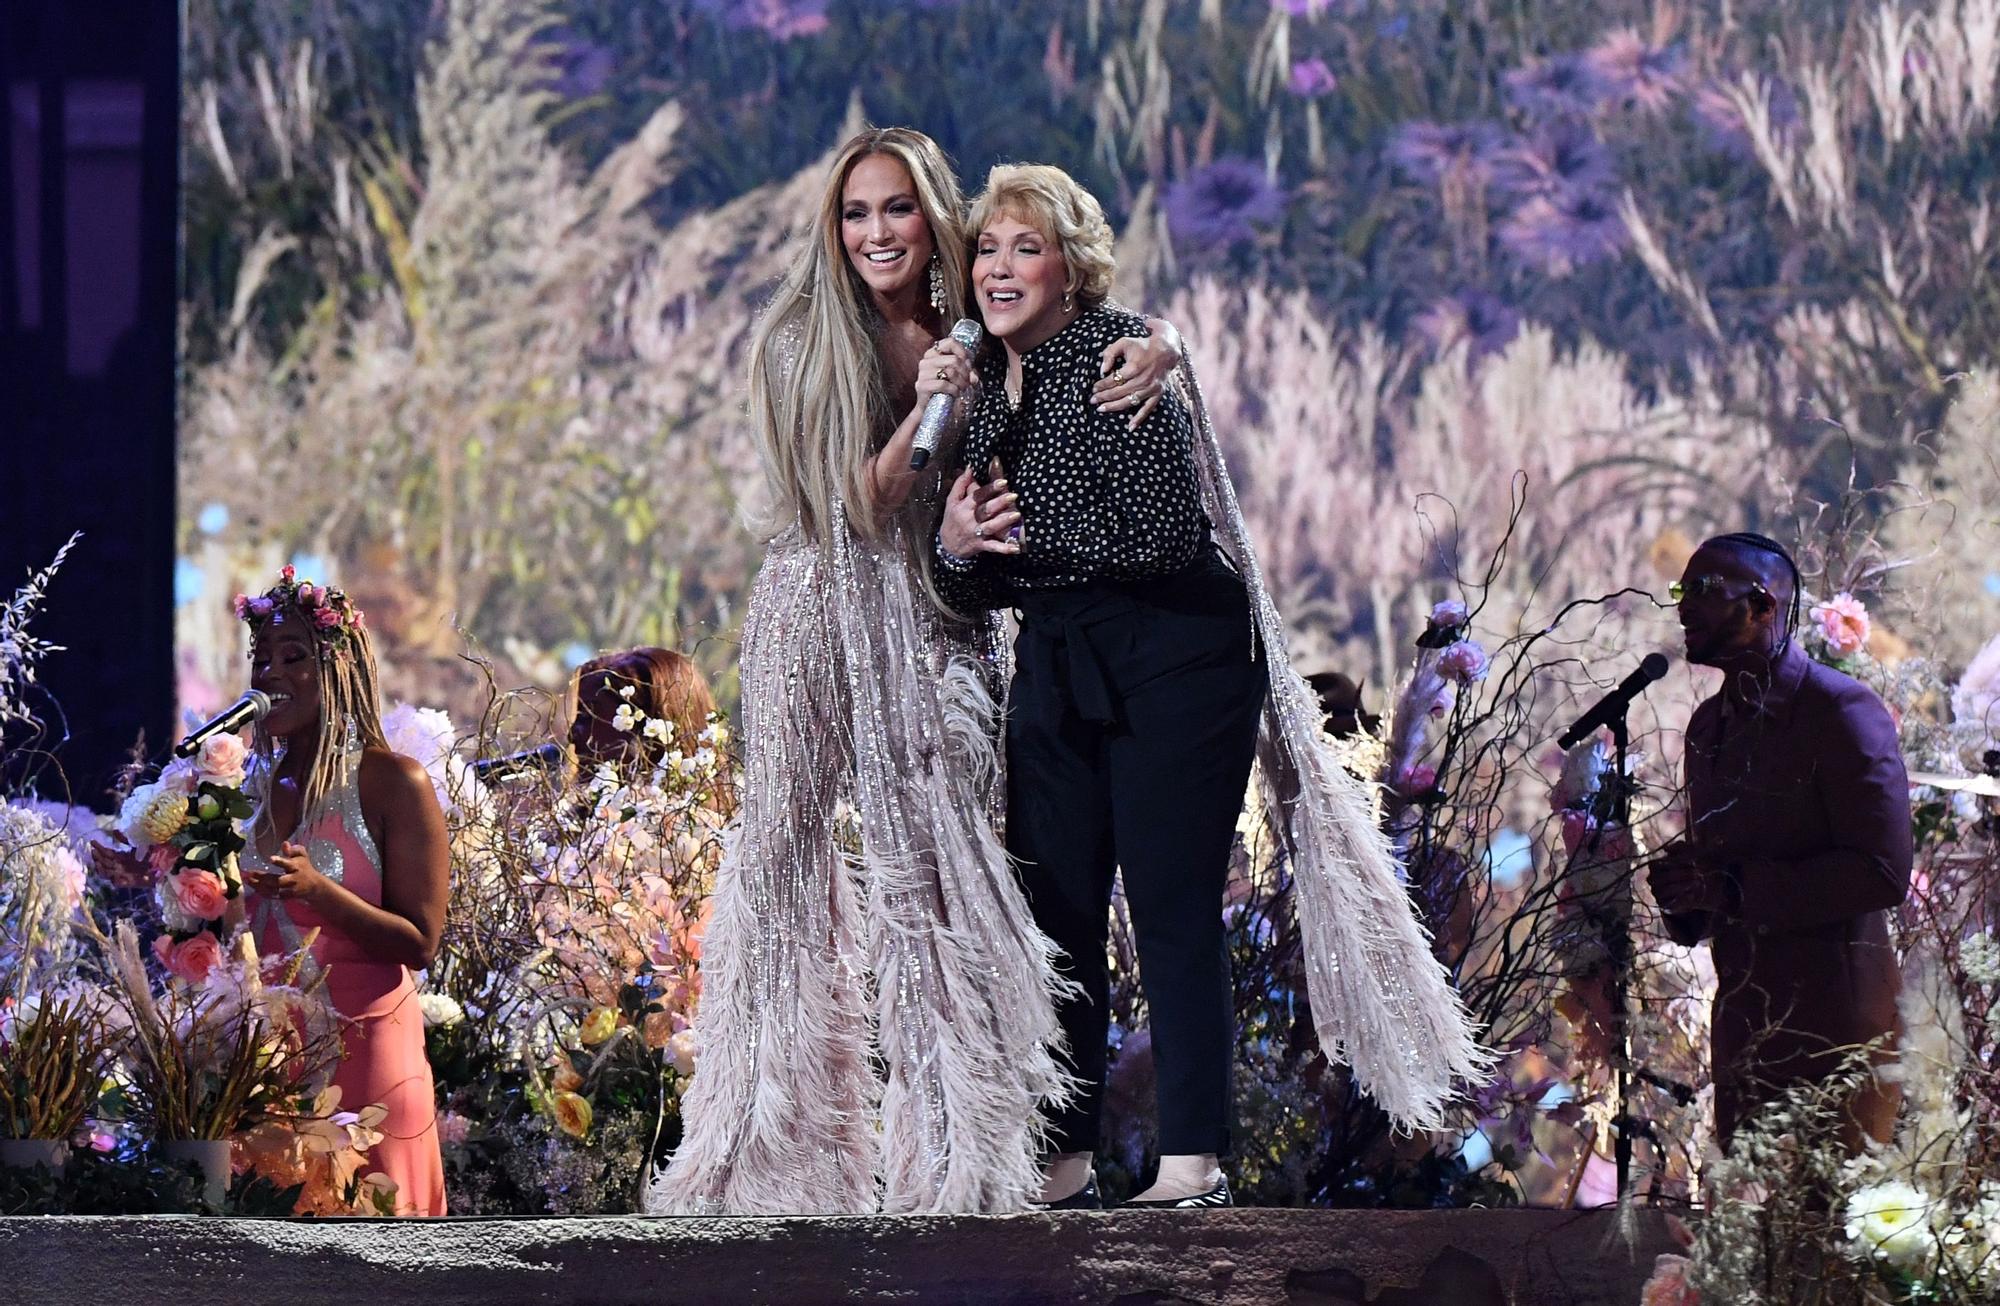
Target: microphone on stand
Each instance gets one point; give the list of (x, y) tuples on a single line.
[(545, 758), (1612, 706), (253, 706), (931, 429)]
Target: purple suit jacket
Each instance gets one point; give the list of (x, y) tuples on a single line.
[(1805, 802)]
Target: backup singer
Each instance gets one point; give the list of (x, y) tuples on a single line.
[(1798, 844), (1147, 660), (348, 839), (903, 949)]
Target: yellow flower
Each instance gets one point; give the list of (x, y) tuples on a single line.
[(598, 1026), (572, 1114), (163, 818)]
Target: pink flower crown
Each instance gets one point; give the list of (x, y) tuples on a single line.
[(328, 612)]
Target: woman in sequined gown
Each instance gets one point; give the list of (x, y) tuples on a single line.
[(349, 840), (876, 1029)]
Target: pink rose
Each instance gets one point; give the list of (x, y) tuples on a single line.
[(1843, 620), (200, 894), (222, 758), (1449, 613), (190, 960), (1463, 662), (241, 606), (163, 857), (326, 618), (287, 572)]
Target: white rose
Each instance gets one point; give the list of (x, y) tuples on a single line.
[(441, 1011)]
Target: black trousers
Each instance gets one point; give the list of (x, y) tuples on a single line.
[(1131, 727)]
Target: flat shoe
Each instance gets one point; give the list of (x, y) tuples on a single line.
[(1083, 1199), (1214, 1197)]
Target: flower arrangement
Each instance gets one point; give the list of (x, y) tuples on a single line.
[(185, 824), (54, 1049), (41, 889), (559, 1013), (242, 1046), (319, 1150)]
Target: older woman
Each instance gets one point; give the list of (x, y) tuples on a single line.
[(876, 1024), (1146, 657)]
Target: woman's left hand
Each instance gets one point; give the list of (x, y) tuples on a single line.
[(301, 880), (1134, 373)]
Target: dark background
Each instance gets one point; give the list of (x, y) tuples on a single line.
[(88, 167)]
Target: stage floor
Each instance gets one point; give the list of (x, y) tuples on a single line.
[(1216, 1258)]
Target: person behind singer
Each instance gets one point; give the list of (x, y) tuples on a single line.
[(861, 695), (657, 683), (1135, 713), (1798, 843), (348, 839)]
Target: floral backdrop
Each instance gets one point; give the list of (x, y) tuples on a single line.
[(1500, 309)]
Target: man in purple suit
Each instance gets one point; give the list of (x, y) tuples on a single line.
[(1798, 843)]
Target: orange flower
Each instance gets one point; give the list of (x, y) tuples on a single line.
[(572, 1114)]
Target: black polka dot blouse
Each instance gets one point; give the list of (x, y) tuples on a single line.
[(1099, 501)]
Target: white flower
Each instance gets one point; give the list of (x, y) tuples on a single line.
[(441, 1011), (1891, 1221), (682, 1052), (1979, 955), (659, 730), (626, 691), (626, 717)]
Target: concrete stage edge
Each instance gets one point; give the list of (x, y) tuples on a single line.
[(1216, 1258)]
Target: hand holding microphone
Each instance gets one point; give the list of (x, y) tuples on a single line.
[(944, 374)]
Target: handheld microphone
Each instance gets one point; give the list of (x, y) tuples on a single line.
[(253, 706), (931, 428), (545, 758), (1612, 706)]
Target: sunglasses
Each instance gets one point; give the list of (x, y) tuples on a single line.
[(1703, 586)]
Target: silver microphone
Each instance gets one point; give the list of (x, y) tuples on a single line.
[(255, 705), (931, 428)]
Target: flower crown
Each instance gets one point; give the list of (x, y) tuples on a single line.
[(328, 611)]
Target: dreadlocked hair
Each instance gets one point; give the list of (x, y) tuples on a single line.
[(1765, 544), (350, 698)]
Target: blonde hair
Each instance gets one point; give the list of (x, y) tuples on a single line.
[(819, 417), (1050, 200), (348, 696)]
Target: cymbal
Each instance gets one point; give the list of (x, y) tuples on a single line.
[(1985, 786)]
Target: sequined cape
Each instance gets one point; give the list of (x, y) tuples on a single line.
[(1381, 1002), (877, 1026)]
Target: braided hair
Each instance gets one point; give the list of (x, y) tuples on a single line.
[(1757, 543)]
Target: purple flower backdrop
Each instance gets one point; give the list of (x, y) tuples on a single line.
[(476, 280)]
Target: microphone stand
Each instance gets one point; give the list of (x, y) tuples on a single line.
[(1620, 948)]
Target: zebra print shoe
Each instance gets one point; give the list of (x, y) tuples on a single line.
[(1214, 1197)]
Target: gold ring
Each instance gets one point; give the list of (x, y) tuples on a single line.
[(943, 373)]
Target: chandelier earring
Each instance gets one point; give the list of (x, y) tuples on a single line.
[(937, 284)]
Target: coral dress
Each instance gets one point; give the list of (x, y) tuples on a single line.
[(382, 1034)]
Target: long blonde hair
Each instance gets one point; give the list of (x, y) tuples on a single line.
[(821, 416)]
